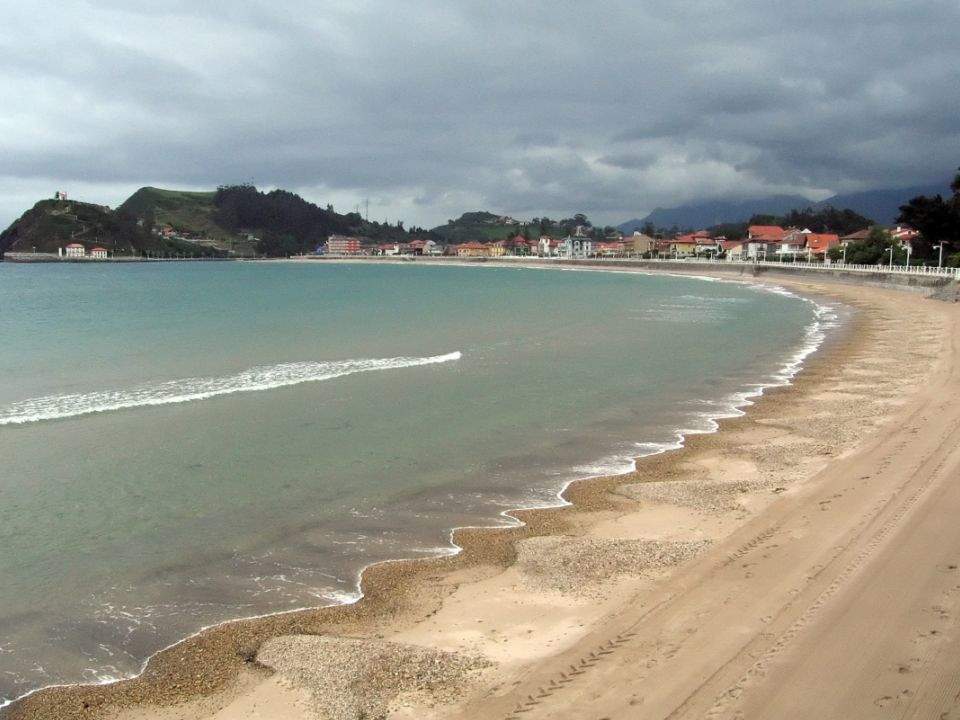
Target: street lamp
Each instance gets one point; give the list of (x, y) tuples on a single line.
[(844, 253), (940, 261), (909, 250), (890, 250)]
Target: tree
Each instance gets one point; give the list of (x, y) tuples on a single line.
[(872, 251), (935, 218)]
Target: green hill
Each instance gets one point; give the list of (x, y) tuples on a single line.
[(52, 224), (233, 220), (483, 226), (189, 213)]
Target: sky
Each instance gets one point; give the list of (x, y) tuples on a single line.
[(432, 108)]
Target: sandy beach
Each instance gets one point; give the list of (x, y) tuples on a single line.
[(801, 562)]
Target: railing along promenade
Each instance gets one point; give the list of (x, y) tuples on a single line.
[(919, 270)]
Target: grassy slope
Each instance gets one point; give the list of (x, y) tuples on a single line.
[(187, 211)]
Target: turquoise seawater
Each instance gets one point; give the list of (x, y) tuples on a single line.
[(186, 443)]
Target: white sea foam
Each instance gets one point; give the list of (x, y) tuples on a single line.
[(54, 407)]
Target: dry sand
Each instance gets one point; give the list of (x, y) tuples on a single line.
[(802, 562)]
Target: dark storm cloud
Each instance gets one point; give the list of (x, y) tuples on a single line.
[(432, 108)]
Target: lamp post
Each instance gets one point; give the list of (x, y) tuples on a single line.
[(844, 253), (890, 250), (940, 260), (909, 250)]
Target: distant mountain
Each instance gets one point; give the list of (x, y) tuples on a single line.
[(694, 216), (882, 206)]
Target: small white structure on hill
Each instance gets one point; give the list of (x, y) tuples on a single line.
[(59, 195)]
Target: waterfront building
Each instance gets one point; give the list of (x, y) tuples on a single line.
[(472, 249), (343, 245), (74, 250), (763, 241), (99, 253), (641, 243), (819, 243)]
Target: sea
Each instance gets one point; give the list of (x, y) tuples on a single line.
[(183, 444)]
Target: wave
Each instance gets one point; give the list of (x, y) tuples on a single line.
[(55, 407)]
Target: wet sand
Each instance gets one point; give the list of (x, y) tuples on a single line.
[(795, 564)]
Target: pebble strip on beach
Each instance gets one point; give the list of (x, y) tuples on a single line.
[(351, 678)]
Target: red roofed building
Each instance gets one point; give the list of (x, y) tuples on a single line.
[(904, 235), (75, 250), (519, 245), (819, 243), (762, 242), (769, 233), (99, 253), (472, 249), (858, 236), (615, 248)]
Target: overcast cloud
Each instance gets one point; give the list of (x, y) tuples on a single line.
[(433, 108)]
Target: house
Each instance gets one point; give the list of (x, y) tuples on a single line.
[(387, 249), (343, 245), (74, 250), (904, 235), (763, 241), (614, 248), (858, 236), (681, 246), (422, 247), (545, 246), (735, 249), (518, 245), (60, 195), (472, 249), (497, 249), (794, 243), (99, 253), (642, 244), (819, 243), (575, 247)]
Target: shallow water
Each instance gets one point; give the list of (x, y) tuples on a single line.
[(188, 443)]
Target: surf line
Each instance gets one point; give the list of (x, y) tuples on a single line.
[(54, 407)]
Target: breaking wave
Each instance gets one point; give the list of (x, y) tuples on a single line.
[(55, 407)]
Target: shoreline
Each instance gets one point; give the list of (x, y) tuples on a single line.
[(478, 546), (731, 406)]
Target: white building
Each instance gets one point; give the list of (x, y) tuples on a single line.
[(99, 253), (574, 247), (794, 243), (75, 250)]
